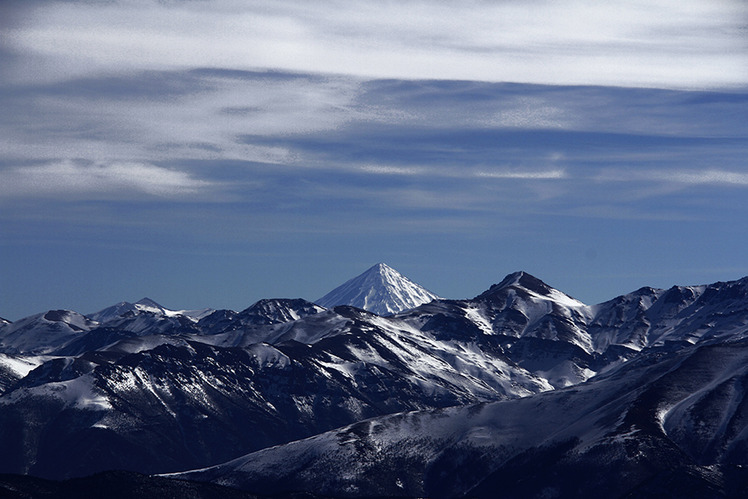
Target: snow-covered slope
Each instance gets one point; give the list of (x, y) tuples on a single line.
[(43, 333), (260, 314), (123, 309), (524, 306), (126, 320), (381, 290), (14, 368), (209, 402), (278, 310), (536, 326), (180, 406), (681, 315), (229, 383), (673, 425)]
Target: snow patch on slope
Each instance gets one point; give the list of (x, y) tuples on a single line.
[(20, 366), (79, 393)]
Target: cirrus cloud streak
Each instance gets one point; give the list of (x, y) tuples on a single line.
[(666, 44), (76, 179), (707, 176)]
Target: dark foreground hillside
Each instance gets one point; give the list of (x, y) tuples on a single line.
[(121, 485)]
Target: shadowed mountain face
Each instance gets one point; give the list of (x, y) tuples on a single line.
[(154, 390), (659, 424), (122, 485)]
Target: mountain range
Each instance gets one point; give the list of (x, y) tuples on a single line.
[(521, 391)]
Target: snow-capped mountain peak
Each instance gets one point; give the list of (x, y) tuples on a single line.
[(146, 305), (42, 333), (278, 310), (531, 286), (124, 307), (381, 290)]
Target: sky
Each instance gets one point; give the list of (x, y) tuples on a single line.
[(210, 153)]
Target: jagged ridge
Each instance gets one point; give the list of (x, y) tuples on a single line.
[(282, 369)]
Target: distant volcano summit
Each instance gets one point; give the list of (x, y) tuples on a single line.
[(381, 290)]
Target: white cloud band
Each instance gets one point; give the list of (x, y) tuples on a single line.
[(689, 177), (680, 44), (97, 180)]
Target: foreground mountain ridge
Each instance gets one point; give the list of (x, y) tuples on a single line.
[(157, 391), (638, 431)]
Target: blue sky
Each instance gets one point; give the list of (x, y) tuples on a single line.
[(211, 153)]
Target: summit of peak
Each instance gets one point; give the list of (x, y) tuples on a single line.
[(124, 307), (147, 302), (381, 290), (381, 268), (530, 285), (525, 280)]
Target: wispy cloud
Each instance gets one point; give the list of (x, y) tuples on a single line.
[(739, 179), (66, 179), (220, 131), (170, 114), (673, 44), (394, 170), (464, 172), (707, 176), (524, 175)]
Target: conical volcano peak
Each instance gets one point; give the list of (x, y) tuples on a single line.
[(381, 290), (386, 273), (382, 269), (379, 268)]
